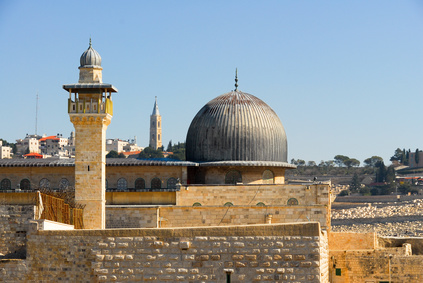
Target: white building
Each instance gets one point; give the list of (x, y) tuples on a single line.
[(28, 144), (5, 151)]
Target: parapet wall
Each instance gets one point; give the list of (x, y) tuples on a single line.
[(176, 216), (293, 252), (352, 241)]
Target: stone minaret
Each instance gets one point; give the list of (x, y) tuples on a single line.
[(155, 127), (90, 110)]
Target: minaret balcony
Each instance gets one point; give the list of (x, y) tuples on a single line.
[(81, 106)]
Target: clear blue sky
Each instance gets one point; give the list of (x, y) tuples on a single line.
[(345, 77)]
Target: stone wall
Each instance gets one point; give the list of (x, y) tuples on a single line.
[(352, 241), (357, 257), (176, 216), (253, 194), (293, 252), (14, 223)]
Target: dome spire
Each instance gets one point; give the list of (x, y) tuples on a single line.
[(90, 41), (236, 79)]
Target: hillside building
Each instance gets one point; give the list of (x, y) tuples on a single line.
[(5, 151)]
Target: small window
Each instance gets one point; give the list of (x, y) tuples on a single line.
[(158, 137), (292, 201), (268, 177), (228, 204), (158, 123), (338, 272), (233, 177), (5, 184), (25, 184), (44, 183), (171, 183), (139, 184), (122, 184), (196, 204), (156, 183), (64, 184)]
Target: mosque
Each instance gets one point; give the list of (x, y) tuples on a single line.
[(224, 214)]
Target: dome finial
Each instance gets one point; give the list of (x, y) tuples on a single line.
[(236, 79), (90, 41)]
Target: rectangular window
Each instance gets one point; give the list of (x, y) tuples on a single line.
[(338, 272)]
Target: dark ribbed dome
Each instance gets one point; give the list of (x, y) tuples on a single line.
[(90, 58), (236, 126)]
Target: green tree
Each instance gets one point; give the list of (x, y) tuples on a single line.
[(355, 183), (407, 157), (301, 162), (380, 172), (150, 152), (371, 161), (169, 146), (365, 191), (351, 162), (416, 157), (397, 155), (112, 154), (390, 175), (121, 155), (340, 160), (311, 163)]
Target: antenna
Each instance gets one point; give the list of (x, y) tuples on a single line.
[(36, 113)]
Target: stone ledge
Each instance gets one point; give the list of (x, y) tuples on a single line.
[(297, 229)]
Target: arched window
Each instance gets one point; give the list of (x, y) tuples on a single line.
[(6, 184), (158, 124), (25, 184), (233, 177), (158, 137), (228, 204), (122, 184), (171, 183), (292, 201), (156, 183), (139, 184), (63, 184), (268, 177), (260, 204), (196, 204), (44, 183)]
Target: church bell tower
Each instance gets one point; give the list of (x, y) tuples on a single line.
[(155, 127), (90, 110)]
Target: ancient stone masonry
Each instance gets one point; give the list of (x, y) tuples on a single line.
[(291, 252), (14, 225)]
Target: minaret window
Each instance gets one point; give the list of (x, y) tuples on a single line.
[(158, 124)]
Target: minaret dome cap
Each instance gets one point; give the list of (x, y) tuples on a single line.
[(90, 58)]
